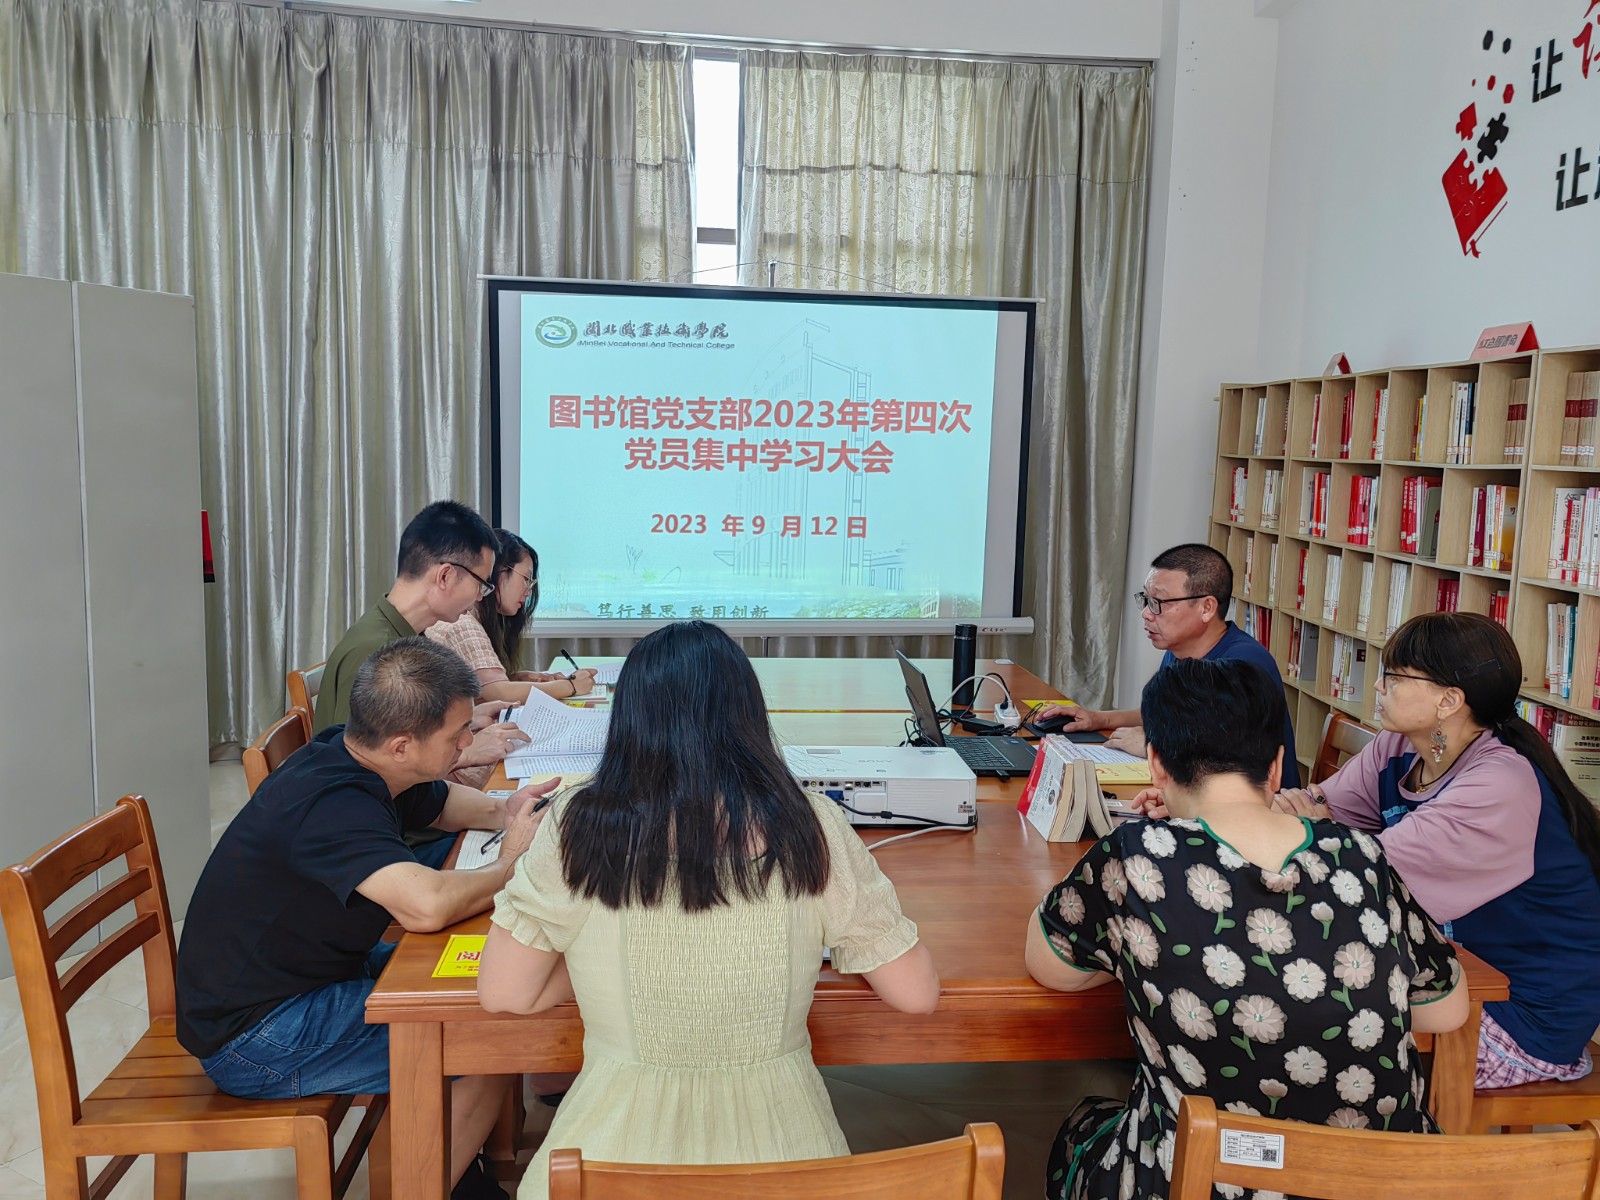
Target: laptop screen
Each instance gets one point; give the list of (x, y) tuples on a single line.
[(921, 702)]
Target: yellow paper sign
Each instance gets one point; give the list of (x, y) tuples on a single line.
[(461, 957)]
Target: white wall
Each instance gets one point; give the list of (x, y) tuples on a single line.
[(1066, 28), (1212, 131), (1362, 254)]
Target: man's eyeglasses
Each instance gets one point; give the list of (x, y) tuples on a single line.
[(1156, 603), (484, 586)]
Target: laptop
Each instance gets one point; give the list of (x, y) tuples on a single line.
[(991, 756)]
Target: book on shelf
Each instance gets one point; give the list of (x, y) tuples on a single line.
[(1419, 515), (1239, 494), (1492, 526), (1316, 425), (1321, 484), (1361, 521), (1561, 622), (1581, 414), (1271, 490), (1576, 742), (1302, 657), (1364, 606), (1500, 608), (1257, 622), (1574, 554), (1330, 588), (1447, 597), (1291, 658), (1419, 425), (1347, 423), (1249, 562), (1399, 580), (1259, 443), (1347, 663), (1380, 422), (1300, 585), (1463, 411), (1517, 422)]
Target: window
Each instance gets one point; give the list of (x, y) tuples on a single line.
[(718, 106)]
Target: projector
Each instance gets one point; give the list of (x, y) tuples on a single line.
[(890, 785)]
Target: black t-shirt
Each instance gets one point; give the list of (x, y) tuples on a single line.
[(276, 913)]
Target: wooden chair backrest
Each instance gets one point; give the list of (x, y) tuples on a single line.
[(303, 688), (1359, 1164), (1341, 739), (279, 740), (30, 887), (970, 1167)]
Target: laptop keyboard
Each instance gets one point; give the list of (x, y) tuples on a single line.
[(977, 753)]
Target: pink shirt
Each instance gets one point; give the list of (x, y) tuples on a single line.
[(1472, 838)]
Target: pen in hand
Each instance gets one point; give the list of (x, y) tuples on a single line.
[(495, 840), (569, 658)]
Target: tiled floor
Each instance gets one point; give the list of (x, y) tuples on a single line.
[(879, 1107)]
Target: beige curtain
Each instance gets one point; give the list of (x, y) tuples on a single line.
[(329, 188), (954, 177)]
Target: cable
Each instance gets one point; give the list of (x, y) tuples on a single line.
[(979, 680), (900, 837), (886, 815)]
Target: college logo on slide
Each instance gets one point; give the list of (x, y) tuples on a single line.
[(556, 332)]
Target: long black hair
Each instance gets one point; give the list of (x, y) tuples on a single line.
[(1477, 655), (505, 633), (692, 787)]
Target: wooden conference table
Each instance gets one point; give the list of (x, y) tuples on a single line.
[(970, 895)]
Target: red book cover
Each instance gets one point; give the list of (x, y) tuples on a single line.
[(1033, 782), (1300, 586), (1346, 421), (1352, 518), (1408, 516)]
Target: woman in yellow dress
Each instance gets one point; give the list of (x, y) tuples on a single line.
[(685, 896)]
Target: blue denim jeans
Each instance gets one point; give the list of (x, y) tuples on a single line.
[(318, 1042)]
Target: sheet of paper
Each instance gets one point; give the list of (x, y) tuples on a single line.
[(556, 728), (472, 854), (525, 767), (605, 673)]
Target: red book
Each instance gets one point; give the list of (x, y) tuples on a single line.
[(1033, 782), (1352, 518), (1346, 421)]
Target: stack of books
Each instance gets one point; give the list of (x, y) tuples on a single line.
[(1330, 588), (1581, 414), (1314, 504), (1575, 740), (1419, 515), (1399, 606), (1380, 422), (1363, 517), (1348, 668), (1575, 537), (1561, 631), (1240, 494), (1271, 491), (1516, 446), (1447, 596), (1493, 528), (1463, 413)]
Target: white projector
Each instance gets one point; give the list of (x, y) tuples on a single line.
[(890, 785)]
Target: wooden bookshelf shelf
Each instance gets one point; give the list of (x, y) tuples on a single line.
[(1488, 438)]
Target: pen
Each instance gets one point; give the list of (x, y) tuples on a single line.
[(539, 807), (569, 658)]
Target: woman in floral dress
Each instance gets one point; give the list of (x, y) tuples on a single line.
[(1270, 962)]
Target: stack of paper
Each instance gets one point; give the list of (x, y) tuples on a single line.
[(562, 740)]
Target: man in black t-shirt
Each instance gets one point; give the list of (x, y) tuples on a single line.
[(282, 942)]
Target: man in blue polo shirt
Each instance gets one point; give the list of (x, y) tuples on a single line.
[(1185, 607)]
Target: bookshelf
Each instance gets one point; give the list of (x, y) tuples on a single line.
[(1323, 497)]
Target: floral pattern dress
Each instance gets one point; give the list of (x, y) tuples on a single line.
[(1278, 993)]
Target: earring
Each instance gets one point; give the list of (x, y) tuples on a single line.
[(1438, 741)]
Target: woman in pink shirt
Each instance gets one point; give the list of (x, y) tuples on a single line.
[(1492, 837)]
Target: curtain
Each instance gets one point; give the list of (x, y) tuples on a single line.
[(329, 189), (955, 177)]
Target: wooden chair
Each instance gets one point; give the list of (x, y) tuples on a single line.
[(279, 740), (1519, 1109), (969, 1167), (1341, 738), (157, 1101), (1359, 1164), (303, 688)]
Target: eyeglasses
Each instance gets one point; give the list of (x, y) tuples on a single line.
[(531, 580), (484, 586), (1156, 603), (1388, 675)]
